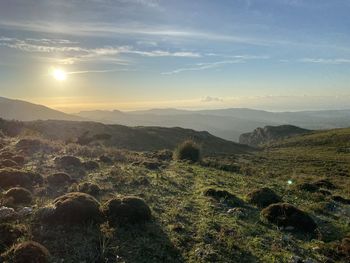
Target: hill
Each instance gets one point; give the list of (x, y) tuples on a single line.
[(269, 134), (225, 123), (172, 211), (25, 111), (123, 137)]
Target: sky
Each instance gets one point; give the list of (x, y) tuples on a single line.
[(277, 55)]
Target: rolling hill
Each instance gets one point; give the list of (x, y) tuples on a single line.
[(24, 111), (123, 137)]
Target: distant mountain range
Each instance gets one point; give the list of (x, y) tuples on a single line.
[(225, 123)]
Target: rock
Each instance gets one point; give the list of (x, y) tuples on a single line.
[(263, 197), (58, 179), (18, 195), (269, 134), (89, 188), (7, 213), (126, 210), (68, 161), (72, 208), (284, 215), (223, 196), (91, 165), (105, 159), (12, 177), (28, 252), (9, 234)]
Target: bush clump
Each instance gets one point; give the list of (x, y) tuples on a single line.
[(72, 208), (28, 252), (91, 165), (287, 215), (18, 195), (12, 177), (89, 188), (223, 196), (126, 210), (263, 197), (188, 151), (58, 179), (68, 161)]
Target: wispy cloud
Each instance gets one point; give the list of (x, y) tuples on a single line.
[(235, 59), (204, 66), (73, 53), (212, 99), (334, 61)]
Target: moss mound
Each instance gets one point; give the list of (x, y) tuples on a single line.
[(91, 165), (223, 196), (18, 195), (8, 163), (324, 183), (284, 215), (151, 165), (19, 159), (188, 151), (68, 161), (58, 179), (263, 197), (345, 247), (89, 188), (9, 234), (126, 210), (72, 208), (12, 177), (105, 159), (308, 187), (28, 252)]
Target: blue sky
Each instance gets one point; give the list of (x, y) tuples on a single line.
[(137, 54)]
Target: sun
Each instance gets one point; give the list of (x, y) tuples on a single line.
[(59, 74)]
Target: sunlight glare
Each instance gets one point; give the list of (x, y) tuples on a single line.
[(59, 74)]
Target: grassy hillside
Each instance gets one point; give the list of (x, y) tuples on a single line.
[(131, 138), (189, 223)]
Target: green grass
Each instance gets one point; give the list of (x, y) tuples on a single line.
[(190, 227)]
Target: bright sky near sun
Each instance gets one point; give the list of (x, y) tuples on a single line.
[(76, 55)]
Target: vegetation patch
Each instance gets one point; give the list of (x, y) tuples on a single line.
[(28, 252), (126, 210), (263, 197), (286, 215)]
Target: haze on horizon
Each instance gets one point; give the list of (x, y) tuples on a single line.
[(75, 55)]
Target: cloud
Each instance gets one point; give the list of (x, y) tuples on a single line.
[(204, 66), (211, 99), (235, 59), (73, 53), (334, 61)]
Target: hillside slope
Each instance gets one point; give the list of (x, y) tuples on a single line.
[(25, 111), (132, 138)]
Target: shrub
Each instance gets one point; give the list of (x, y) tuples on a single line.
[(263, 197), (72, 208), (18, 195), (285, 215), (188, 150), (126, 210)]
